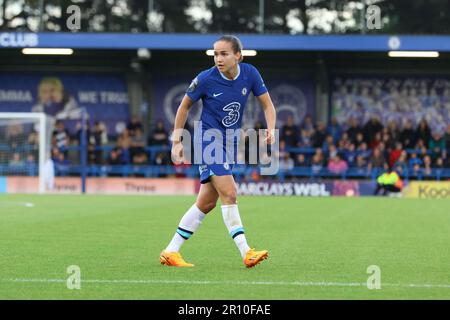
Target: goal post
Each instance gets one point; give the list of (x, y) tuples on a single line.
[(25, 136)]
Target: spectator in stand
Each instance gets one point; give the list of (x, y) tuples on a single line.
[(159, 135), (307, 124), (423, 131), (317, 161), (393, 131), (124, 143), (377, 160), (332, 152), (351, 154), (15, 135), (319, 135), (60, 159), (33, 138), (337, 165), (436, 145), (360, 165), (420, 144), (137, 145), (61, 136), (335, 130), (286, 164), (395, 154), (375, 140), (16, 160), (387, 140), (439, 164), (359, 139), (114, 160), (363, 151), (344, 142), (99, 139), (423, 153), (372, 127), (162, 159), (31, 159), (416, 171), (414, 161), (329, 141), (407, 136), (353, 129), (300, 160), (290, 132), (305, 139), (134, 124), (60, 162), (427, 166), (140, 158), (114, 157), (401, 164)]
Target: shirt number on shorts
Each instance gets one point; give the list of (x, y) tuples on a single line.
[(233, 114)]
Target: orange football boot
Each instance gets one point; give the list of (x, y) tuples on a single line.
[(173, 259), (254, 257)]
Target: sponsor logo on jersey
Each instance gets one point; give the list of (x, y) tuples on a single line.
[(233, 114), (193, 85), (244, 91)]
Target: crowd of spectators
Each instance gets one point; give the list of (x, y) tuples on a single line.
[(337, 147), (333, 147)]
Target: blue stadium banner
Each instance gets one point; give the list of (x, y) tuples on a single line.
[(204, 41), (394, 98), (64, 96)]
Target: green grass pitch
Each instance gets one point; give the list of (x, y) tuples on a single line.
[(320, 248)]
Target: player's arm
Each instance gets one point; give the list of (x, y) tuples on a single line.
[(180, 121), (181, 117), (270, 115)]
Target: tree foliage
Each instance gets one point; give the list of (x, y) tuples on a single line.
[(228, 16)]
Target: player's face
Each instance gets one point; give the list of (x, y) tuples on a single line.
[(224, 57)]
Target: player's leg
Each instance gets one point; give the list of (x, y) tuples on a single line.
[(393, 190), (206, 201), (207, 198), (226, 188), (378, 188)]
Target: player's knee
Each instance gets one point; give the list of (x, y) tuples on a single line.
[(229, 196), (207, 207)]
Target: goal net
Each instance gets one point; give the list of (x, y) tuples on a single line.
[(25, 147)]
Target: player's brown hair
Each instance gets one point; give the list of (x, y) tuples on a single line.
[(236, 44)]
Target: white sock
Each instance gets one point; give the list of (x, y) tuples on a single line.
[(230, 214), (188, 224)]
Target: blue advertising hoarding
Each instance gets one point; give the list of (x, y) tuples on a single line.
[(164, 41)]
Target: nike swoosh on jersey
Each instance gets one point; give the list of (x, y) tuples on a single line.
[(217, 94)]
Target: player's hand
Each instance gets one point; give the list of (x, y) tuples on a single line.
[(270, 136), (177, 152)]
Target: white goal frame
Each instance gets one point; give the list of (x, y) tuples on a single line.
[(41, 117)]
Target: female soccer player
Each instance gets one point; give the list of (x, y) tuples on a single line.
[(224, 90)]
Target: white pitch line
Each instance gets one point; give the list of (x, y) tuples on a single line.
[(235, 283), (12, 203)]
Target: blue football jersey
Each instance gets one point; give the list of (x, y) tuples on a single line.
[(224, 99)]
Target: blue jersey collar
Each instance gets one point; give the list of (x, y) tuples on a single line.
[(237, 76)]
